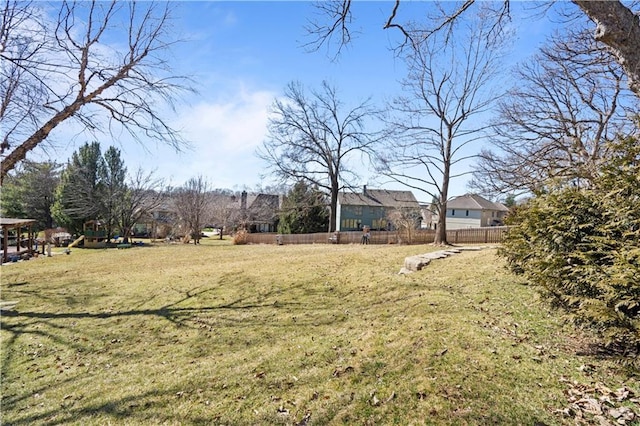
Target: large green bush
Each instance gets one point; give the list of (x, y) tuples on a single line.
[(303, 211), (581, 245)]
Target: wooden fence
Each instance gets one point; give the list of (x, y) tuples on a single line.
[(489, 235)]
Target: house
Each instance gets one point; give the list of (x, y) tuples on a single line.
[(474, 211), (226, 210), (158, 221), (372, 208), (428, 216), (259, 212)]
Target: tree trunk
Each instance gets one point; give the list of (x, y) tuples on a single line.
[(441, 232), (441, 228), (334, 205), (619, 28)]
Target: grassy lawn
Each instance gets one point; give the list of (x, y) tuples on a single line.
[(315, 334)]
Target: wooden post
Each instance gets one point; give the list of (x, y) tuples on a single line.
[(31, 251), (19, 241), (5, 244)]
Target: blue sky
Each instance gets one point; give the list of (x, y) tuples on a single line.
[(241, 56)]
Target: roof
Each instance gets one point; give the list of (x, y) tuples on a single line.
[(264, 207), (379, 198), (6, 221), (475, 202)]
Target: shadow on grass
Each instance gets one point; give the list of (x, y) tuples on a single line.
[(52, 326), (139, 407), (18, 284), (177, 316), (170, 312)]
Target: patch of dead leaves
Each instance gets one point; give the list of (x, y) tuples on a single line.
[(597, 404), (339, 371)]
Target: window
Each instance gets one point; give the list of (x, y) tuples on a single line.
[(453, 212), (357, 210), (349, 224), (379, 224), (467, 213)]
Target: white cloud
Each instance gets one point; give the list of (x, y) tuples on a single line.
[(223, 134), (236, 123)]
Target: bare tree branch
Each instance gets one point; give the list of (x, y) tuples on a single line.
[(72, 74), (619, 28), (338, 14), (392, 24), (555, 123)]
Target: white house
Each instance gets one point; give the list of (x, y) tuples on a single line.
[(473, 211)]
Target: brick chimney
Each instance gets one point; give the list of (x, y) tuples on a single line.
[(243, 201)]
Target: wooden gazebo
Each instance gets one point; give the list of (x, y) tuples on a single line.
[(13, 242)]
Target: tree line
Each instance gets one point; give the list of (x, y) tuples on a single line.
[(91, 186), (98, 186)]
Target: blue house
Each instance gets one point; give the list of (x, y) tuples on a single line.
[(372, 208)]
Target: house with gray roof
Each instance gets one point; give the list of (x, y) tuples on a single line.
[(371, 208), (253, 212), (259, 212), (474, 211)]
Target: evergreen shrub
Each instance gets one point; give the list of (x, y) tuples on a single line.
[(581, 245)]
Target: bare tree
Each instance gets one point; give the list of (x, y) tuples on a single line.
[(569, 101), (433, 124), (617, 26), (143, 194), (225, 209), (60, 68), (405, 220), (191, 203), (311, 139)]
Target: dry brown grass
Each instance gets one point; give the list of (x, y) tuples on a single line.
[(253, 335)]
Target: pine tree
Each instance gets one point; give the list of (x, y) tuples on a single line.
[(304, 210), (79, 197), (29, 192)]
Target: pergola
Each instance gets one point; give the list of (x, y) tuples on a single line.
[(19, 226)]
